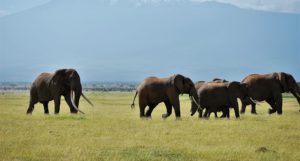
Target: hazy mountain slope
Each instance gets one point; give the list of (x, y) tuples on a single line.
[(124, 41)]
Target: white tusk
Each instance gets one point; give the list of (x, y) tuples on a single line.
[(254, 101), (87, 100), (72, 101), (199, 107)]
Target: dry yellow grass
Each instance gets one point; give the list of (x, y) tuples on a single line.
[(112, 131)]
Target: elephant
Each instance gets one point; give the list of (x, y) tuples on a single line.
[(198, 85), (51, 86), (269, 88), (153, 91), (220, 96)]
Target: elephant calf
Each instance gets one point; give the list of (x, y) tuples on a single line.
[(200, 84), (153, 91), (220, 96), (51, 86)]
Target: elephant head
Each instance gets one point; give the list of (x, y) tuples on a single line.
[(67, 82), (288, 84), (237, 90), (218, 80), (185, 85)]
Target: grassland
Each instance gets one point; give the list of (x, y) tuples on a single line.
[(112, 131)]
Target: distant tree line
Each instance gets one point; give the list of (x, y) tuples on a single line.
[(91, 86)]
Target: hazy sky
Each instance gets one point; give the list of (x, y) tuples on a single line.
[(128, 40)]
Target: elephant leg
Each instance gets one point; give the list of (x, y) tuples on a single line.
[(169, 109), (142, 106), (279, 104), (216, 114), (200, 113), (227, 113), (151, 107), (206, 113), (223, 110), (236, 109), (56, 105), (68, 100), (46, 110), (30, 107), (253, 108), (243, 109), (176, 105), (271, 102)]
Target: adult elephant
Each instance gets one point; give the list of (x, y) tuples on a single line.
[(51, 86), (269, 88), (153, 91), (200, 84), (213, 96)]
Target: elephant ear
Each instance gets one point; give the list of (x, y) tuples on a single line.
[(282, 77), (234, 85), (178, 82), (58, 76)]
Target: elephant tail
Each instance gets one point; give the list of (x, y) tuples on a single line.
[(132, 105)]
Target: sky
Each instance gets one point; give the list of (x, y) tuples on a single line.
[(128, 40)]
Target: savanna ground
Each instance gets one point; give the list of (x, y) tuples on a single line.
[(113, 131)]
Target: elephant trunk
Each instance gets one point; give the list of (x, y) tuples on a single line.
[(75, 100), (193, 107), (296, 92), (297, 95), (195, 103)]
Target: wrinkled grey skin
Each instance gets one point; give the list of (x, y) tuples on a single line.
[(198, 85), (269, 88), (213, 96), (153, 91), (51, 86)]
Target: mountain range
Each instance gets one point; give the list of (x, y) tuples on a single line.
[(129, 40)]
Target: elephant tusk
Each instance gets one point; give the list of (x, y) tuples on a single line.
[(254, 101), (72, 101), (199, 107), (87, 100)]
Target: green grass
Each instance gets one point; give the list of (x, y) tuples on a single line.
[(113, 131)]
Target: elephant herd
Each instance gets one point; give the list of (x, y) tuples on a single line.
[(218, 95)]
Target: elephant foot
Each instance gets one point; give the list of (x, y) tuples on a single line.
[(223, 116), (242, 112), (165, 115), (29, 113), (271, 111), (254, 112), (178, 119)]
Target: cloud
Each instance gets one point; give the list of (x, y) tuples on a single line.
[(289, 6)]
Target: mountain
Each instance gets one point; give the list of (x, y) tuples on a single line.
[(129, 40)]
